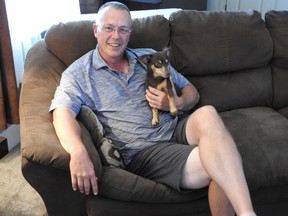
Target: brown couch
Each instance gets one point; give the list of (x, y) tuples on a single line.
[(239, 64)]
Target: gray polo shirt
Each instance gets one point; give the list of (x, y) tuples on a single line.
[(117, 99)]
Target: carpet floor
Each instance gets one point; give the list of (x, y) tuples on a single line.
[(17, 197)]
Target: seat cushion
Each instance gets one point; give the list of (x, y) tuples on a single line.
[(261, 135), (284, 111), (122, 185)]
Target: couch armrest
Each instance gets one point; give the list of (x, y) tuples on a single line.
[(39, 142)]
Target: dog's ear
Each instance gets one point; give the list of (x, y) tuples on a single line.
[(167, 51), (145, 58)]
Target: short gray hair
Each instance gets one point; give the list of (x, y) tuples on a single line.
[(112, 4)]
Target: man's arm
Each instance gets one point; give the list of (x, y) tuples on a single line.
[(159, 100), (69, 133)]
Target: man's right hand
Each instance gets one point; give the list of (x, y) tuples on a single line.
[(82, 171)]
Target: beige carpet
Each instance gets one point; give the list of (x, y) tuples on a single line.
[(17, 197)]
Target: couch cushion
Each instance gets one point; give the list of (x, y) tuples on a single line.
[(107, 151), (280, 80), (261, 135), (207, 43), (101, 206), (69, 41), (284, 111), (150, 32), (277, 23), (225, 55), (122, 185), (227, 91)]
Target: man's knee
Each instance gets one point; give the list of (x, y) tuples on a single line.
[(203, 122), (205, 117), (207, 111)]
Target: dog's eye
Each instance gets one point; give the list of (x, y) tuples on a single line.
[(158, 64)]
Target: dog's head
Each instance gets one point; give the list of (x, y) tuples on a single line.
[(157, 63)]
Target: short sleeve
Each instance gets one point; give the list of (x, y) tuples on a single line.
[(69, 93)]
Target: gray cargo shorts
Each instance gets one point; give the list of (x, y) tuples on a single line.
[(163, 162)]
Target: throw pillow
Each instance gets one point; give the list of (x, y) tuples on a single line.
[(107, 150)]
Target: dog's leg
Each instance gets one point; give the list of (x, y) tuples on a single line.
[(173, 109), (155, 119), (171, 92)]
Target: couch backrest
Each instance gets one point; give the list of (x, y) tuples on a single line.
[(226, 55), (209, 43), (69, 41), (277, 23)]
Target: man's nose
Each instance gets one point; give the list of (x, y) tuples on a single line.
[(115, 33)]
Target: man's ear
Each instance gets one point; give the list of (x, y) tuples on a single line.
[(145, 58), (95, 29), (167, 51)]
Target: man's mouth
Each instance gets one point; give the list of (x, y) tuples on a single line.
[(114, 44)]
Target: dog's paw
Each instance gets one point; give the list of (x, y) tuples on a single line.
[(154, 121), (173, 112)]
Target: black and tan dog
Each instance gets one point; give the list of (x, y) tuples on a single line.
[(158, 76)]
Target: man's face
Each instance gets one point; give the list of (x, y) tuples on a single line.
[(111, 35)]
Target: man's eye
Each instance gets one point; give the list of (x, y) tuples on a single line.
[(124, 30), (109, 28)]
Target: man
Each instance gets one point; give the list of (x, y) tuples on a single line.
[(111, 81)]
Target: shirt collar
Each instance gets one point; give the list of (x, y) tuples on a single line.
[(98, 61)]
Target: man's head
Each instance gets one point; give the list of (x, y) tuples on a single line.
[(112, 30)]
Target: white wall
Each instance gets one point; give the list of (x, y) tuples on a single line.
[(215, 5), (241, 5), (28, 18)]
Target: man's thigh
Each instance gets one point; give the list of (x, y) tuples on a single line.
[(194, 175), (162, 163)]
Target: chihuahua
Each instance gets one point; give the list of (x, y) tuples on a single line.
[(158, 76)]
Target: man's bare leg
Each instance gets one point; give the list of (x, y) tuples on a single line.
[(218, 201), (219, 157)]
